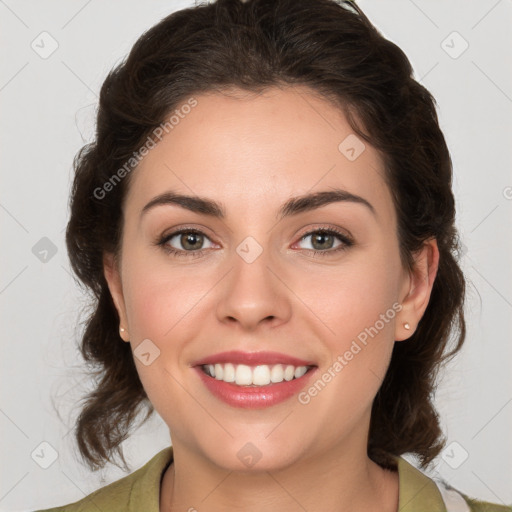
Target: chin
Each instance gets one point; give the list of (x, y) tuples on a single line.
[(253, 456)]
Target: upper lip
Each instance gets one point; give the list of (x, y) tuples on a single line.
[(252, 359)]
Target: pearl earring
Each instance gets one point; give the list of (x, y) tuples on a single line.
[(407, 326)]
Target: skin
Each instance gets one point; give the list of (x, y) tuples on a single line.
[(251, 153)]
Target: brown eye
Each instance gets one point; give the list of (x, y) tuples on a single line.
[(191, 241), (186, 241), (321, 241), (325, 241)]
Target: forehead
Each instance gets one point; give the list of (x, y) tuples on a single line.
[(248, 149)]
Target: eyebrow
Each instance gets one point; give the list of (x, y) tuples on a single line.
[(291, 207)]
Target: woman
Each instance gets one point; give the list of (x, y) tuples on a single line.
[(267, 222)]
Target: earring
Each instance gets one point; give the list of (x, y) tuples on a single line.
[(407, 326)]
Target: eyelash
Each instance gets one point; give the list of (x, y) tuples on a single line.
[(346, 242)]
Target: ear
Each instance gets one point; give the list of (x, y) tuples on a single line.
[(417, 289), (113, 277)]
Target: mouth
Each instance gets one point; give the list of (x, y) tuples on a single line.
[(255, 376), (254, 380)]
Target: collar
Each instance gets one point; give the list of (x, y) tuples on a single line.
[(417, 492)]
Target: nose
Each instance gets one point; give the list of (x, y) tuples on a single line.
[(253, 294)]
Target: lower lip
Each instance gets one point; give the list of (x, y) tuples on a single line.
[(254, 397)]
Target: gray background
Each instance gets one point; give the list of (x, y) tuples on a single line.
[(48, 107)]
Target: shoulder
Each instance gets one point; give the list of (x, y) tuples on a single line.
[(138, 491), (420, 493)]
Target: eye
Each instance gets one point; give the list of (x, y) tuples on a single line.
[(185, 241), (323, 241), (190, 242)]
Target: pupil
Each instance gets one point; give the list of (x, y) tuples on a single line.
[(321, 237), (189, 240)]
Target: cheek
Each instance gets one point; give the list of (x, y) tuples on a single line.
[(159, 296), (163, 303), (352, 296), (359, 306)]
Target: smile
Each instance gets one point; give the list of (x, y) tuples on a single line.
[(253, 380), (261, 375)]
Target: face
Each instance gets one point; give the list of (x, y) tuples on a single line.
[(319, 284)]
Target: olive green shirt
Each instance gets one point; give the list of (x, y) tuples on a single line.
[(140, 492)]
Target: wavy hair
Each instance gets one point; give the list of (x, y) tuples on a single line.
[(334, 49)]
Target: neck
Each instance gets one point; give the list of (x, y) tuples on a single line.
[(334, 480)]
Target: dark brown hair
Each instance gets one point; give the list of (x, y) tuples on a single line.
[(334, 50)]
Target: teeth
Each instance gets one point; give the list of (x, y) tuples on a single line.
[(219, 371), (300, 371), (289, 372), (229, 373), (261, 375), (277, 373), (243, 375)]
